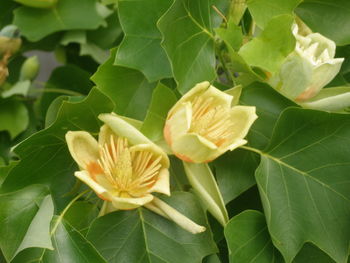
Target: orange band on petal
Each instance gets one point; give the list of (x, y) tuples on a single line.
[(94, 169), (167, 134)]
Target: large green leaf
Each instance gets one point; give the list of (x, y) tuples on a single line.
[(44, 156), (140, 48), (128, 88), (330, 18), (13, 116), (36, 23), (235, 170), (163, 99), (68, 80), (142, 236), (269, 50), (248, 239), (269, 105), (22, 223), (235, 173), (303, 180), (264, 10), (188, 41), (68, 246)]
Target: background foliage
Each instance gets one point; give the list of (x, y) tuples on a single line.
[(286, 192)]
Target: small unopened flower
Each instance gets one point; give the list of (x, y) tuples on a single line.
[(124, 168), (309, 68), (203, 124)]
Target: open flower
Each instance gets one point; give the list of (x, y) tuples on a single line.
[(202, 125), (124, 168), (309, 68)]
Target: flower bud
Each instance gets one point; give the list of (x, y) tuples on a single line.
[(10, 41), (202, 125), (38, 3), (30, 68), (309, 68)]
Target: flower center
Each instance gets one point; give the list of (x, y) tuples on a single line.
[(131, 173), (210, 121)]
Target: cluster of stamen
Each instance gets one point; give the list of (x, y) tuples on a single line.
[(211, 121), (130, 172)]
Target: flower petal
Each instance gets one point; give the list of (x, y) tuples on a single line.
[(125, 203), (123, 129), (330, 99), (104, 135), (194, 148), (242, 118), (178, 123), (163, 209), (163, 183), (99, 190), (83, 147)]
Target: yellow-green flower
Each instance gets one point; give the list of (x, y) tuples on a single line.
[(123, 166), (204, 124), (309, 68)]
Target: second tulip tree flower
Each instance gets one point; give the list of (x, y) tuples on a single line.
[(200, 127), (204, 124), (124, 168), (310, 67)]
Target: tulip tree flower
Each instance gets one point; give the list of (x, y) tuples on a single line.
[(309, 68), (203, 124), (124, 168)]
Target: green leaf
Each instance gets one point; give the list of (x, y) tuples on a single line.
[(330, 18), (36, 23), (235, 173), (188, 41), (45, 158), (303, 178), (70, 246), (140, 48), (74, 215), (269, 105), (163, 99), (143, 236), (128, 88), (13, 116), (20, 217), (263, 11), (231, 35), (67, 80), (269, 50), (248, 239), (203, 182)]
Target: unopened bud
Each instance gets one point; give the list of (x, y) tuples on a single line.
[(30, 68), (38, 3), (10, 41)]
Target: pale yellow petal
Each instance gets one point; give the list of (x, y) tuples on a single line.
[(242, 118), (178, 123), (123, 129), (85, 177), (194, 148), (163, 209), (124, 203), (105, 135), (220, 98), (163, 183), (83, 147)]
